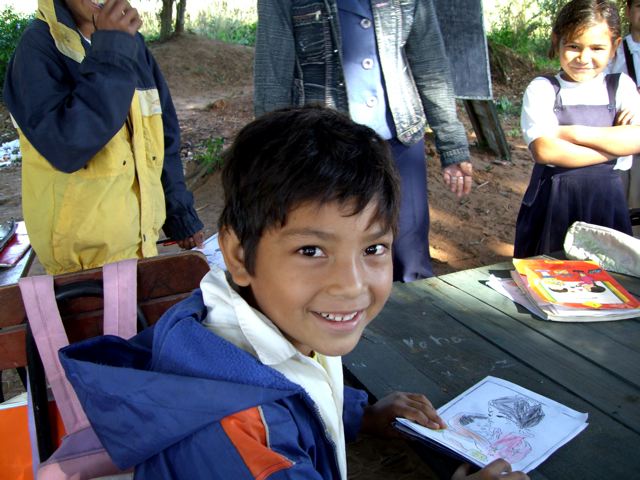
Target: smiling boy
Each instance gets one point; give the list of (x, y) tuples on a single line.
[(243, 380)]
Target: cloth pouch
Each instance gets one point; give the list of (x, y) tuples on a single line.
[(612, 250)]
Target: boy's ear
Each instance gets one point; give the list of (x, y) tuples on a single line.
[(233, 254)]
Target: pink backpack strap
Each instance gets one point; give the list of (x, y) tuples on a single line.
[(120, 298), (50, 336)]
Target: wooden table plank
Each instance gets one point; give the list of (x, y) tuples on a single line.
[(614, 346), (587, 379), (433, 338)]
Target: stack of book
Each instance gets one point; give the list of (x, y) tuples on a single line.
[(567, 290)]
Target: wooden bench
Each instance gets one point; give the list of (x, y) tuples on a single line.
[(162, 281)]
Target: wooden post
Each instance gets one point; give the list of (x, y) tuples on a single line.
[(486, 124)]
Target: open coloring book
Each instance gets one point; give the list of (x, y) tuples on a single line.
[(499, 419)]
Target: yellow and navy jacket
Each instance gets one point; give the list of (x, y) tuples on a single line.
[(100, 141)]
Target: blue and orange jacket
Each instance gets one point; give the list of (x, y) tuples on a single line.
[(180, 402), (100, 141)]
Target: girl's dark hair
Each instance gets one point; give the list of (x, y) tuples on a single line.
[(297, 155), (580, 14), (520, 410)]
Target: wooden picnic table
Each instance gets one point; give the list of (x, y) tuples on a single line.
[(441, 335)]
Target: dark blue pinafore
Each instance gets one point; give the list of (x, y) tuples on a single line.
[(557, 197)]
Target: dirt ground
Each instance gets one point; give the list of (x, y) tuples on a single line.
[(212, 91), (211, 87)]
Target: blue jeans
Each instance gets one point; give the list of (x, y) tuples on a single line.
[(411, 260)]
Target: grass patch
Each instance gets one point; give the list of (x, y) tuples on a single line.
[(11, 27), (220, 20), (210, 157)]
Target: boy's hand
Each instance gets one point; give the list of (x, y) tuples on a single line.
[(195, 240), (378, 417), (624, 117), (118, 15), (497, 470)]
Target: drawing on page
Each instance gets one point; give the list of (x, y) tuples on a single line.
[(501, 431)]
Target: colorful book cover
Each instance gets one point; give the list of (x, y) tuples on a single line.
[(575, 284)]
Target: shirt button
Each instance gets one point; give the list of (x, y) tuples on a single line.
[(365, 23), (367, 64), (372, 102), (144, 237)]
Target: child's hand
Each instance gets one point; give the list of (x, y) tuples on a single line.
[(118, 15), (497, 470), (624, 117), (195, 240), (378, 417)]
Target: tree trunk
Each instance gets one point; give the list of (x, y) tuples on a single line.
[(166, 17), (180, 9)]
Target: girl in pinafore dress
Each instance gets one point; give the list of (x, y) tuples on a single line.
[(580, 126)]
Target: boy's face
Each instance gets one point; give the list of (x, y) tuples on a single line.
[(321, 278), (633, 14), (83, 12)]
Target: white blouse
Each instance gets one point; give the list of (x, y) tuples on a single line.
[(538, 119)]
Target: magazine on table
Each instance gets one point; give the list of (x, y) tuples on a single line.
[(567, 290), (499, 419)]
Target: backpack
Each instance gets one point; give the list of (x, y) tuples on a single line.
[(80, 455)]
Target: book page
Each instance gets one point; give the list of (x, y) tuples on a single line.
[(211, 249), (499, 419)]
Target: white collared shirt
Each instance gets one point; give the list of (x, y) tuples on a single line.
[(232, 318), (619, 63), (538, 119)]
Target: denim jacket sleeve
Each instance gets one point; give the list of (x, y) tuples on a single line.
[(275, 56), (430, 69)]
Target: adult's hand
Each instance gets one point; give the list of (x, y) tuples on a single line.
[(459, 178), (118, 15)]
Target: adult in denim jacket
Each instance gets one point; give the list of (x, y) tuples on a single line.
[(329, 52)]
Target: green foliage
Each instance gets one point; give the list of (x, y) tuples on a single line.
[(226, 28), (525, 28), (506, 107), (11, 27), (211, 155), (221, 20)]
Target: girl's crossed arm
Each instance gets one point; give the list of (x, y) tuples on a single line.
[(616, 141), (556, 151)]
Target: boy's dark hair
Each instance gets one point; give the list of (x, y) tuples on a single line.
[(579, 14), (297, 155)]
